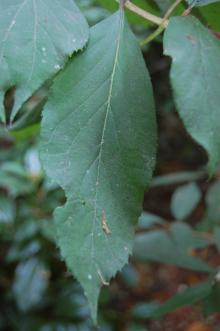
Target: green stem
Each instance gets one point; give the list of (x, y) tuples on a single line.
[(143, 13), (163, 24)]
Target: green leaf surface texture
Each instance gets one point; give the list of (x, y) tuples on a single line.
[(195, 78), (98, 143), (36, 38)]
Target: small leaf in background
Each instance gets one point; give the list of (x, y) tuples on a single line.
[(33, 47), (18, 252), (186, 238), (147, 220), (178, 177), (48, 229), (98, 143), (7, 210), (32, 162), (164, 5), (211, 15), (130, 276), (212, 213), (160, 246), (31, 280), (27, 230), (217, 237), (212, 302), (195, 78), (144, 310), (189, 296), (14, 168), (184, 200), (213, 201), (14, 178), (72, 303)]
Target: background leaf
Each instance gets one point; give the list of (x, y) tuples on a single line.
[(212, 213), (7, 210), (195, 78), (147, 220), (189, 296), (36, 38), (212, 301), (174, 248), (30, 283)]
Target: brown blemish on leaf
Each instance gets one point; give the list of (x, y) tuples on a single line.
[(191, 38), (105, 227), (104, 282)]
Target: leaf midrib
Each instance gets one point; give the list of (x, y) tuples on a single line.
[(121, 19)]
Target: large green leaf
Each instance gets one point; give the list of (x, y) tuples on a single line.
[(98, 143), (195, 77), (36, 37)]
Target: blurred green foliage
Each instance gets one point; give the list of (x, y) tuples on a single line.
[(36, 290)]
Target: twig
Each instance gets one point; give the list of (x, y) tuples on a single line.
[(143, 13), (163, 24)]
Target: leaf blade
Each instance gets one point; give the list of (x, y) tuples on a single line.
[(106, 155)]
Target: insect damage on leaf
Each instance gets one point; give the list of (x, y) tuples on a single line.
[(105, 227)]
